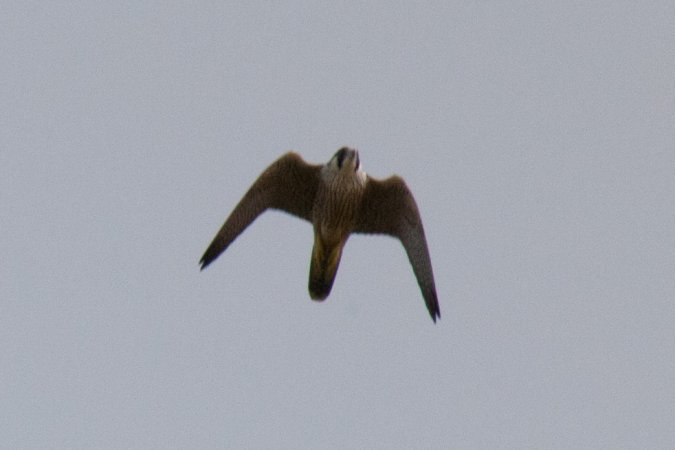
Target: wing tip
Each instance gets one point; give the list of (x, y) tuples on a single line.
[(433, 307), (205, 261), (210, 255)]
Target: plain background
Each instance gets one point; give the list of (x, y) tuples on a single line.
[(537, 138)]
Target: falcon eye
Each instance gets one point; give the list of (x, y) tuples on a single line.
[(340, 155)]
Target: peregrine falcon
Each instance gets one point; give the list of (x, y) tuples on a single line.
[(337, 198)]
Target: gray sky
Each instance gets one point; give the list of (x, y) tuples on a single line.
[(537, 139)]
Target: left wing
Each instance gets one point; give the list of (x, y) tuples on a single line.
[(288, 184)]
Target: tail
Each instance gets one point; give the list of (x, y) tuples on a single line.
[(322, 270)]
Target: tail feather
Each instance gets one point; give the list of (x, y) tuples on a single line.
[(323, 268)]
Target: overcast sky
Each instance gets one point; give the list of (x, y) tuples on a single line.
[(537, 137)]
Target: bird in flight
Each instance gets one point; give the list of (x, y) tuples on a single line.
[(337, 198)]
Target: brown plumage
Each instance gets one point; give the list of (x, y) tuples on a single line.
[(338, 198)]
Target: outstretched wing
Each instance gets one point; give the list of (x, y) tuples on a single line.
[(288, 184), (388, 207)]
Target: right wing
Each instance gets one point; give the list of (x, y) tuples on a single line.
[(388, 207), (288, 184)]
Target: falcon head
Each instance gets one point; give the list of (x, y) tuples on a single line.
[(345, 159)]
